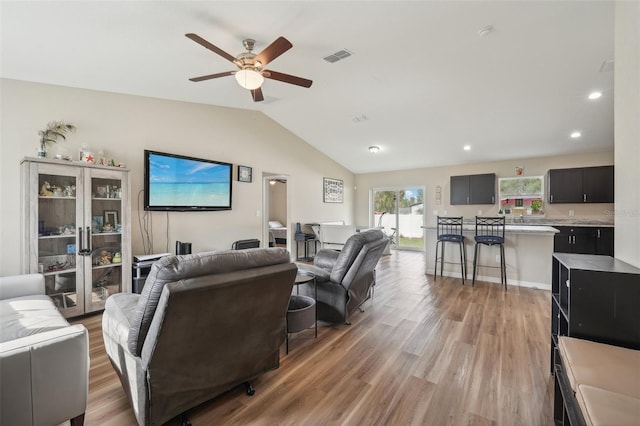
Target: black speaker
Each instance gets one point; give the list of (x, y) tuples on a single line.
[(183, 248)]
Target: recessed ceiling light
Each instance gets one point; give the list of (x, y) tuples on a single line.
[(373, 149), (467, 148), (575, 135), (595, 95)]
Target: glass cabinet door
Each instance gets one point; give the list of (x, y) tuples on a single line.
[(104, 222), (59, 236)]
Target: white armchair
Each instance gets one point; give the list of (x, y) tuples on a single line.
[(44, 361)]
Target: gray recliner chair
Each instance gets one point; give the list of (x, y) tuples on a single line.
[(203, 324), (345, 278)]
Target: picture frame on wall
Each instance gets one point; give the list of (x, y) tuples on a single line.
[(333, 190), (245, 174)]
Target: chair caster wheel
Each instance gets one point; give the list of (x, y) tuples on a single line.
[(250, 390), (184, 421)]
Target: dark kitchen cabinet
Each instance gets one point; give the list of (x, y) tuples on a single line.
[(581, 185), (597, 184), (473, 189), (565, 186), (583, 240), (604, 241)]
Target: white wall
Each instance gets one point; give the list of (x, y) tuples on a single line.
[(123, 126), (627, 131), (439, 176)]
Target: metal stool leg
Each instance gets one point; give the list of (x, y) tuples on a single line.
[(503, 266), (461, 246), (435, 265), (475, 259), (442, 249), (464, 252)]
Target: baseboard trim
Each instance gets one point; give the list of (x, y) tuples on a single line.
[(510, 281)]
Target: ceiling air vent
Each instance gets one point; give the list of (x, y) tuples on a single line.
[(339, 55)]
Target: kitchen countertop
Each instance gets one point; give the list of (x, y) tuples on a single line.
[(555, 222), (512, 228)]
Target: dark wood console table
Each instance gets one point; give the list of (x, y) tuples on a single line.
[(596, 298)]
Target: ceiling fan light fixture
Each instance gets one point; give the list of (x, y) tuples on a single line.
[(249, 79)]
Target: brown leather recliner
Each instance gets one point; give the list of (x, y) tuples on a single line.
[(203, 324), (345, 278)]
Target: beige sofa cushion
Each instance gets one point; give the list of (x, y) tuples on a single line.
[(601, 407), (28, 315), (613, 368)]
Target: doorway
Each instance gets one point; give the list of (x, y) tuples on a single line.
[(275, 227), (399, 212)]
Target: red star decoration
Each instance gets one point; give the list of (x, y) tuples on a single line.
[(89, 158)]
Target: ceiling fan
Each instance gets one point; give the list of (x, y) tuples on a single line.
[(251, 72)]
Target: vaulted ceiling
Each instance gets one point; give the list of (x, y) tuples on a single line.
[(423, 79)]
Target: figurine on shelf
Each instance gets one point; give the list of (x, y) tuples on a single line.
[(70, 191), (117, 257), (68, 230), (105, 258), (107, 227), (45, 190)]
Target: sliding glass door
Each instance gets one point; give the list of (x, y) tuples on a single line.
[(399, 212)]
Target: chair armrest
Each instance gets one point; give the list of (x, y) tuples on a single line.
[(326, 259), (21, 285), (45, 376), (321, 274)]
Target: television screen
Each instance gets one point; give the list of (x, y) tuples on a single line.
[(176, 182)]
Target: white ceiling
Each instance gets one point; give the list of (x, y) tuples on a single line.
[(420, 73)]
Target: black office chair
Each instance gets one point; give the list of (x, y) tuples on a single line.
[(449, 229), (490, 232), (245, 244)]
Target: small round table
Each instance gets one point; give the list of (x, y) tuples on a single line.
[(305, 278)]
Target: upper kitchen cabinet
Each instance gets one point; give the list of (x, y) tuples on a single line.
[(581, 185), (473, 189)]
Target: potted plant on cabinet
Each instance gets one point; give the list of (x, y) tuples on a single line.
[(51, 133)]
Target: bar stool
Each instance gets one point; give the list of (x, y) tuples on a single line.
[(449, 229), (490, 232)]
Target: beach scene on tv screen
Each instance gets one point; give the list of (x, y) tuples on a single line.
[(182, 182)]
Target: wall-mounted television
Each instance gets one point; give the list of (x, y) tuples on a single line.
[(181, 183)]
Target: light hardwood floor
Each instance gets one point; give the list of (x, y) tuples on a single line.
[(422, 353)]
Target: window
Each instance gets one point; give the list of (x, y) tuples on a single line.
[(521, 195)]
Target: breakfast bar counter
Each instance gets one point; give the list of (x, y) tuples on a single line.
[(528, 254)]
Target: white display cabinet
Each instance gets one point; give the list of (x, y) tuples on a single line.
[(77, 231)]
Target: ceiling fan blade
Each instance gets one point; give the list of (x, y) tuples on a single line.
[(211, 47), (286, 78), (210, 76), (257, 95), (275, 49)]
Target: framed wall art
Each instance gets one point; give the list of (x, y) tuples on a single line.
[(333, 190), (244, 174)]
